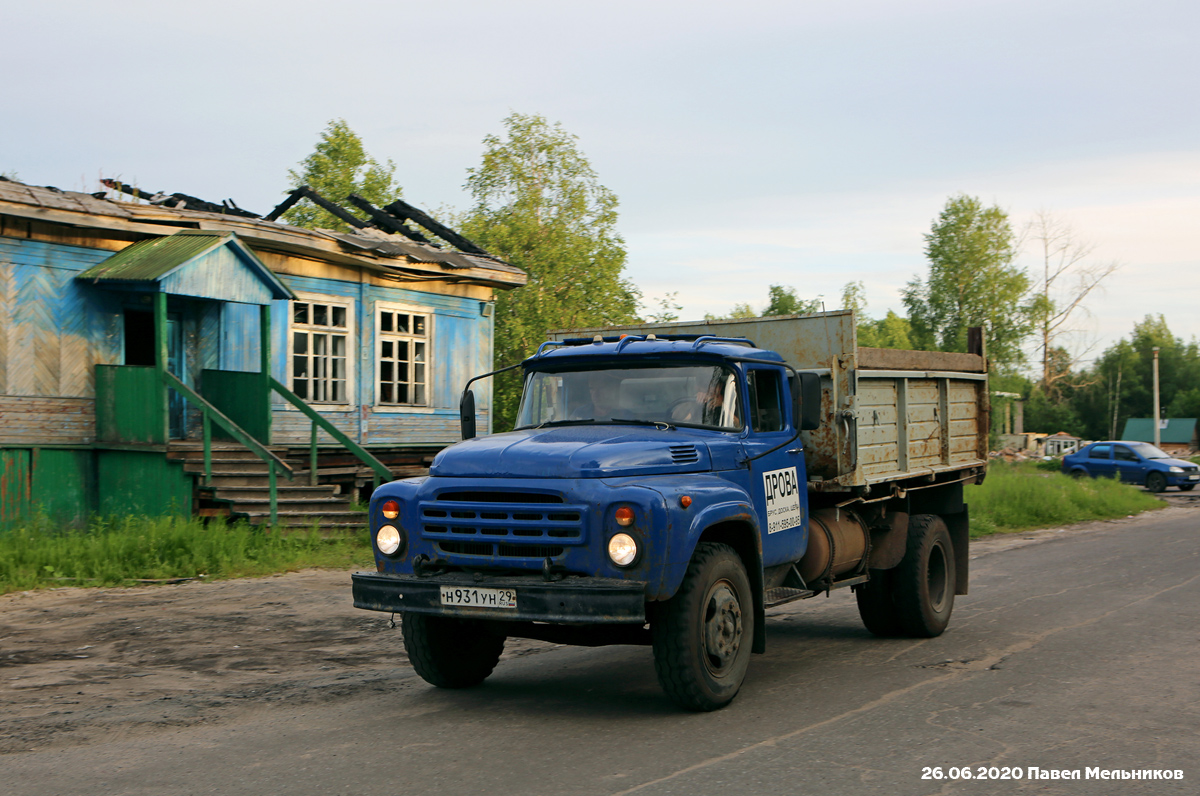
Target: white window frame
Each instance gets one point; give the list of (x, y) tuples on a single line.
[(350, 306), (430, 362)]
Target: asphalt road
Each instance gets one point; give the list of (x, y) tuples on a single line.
[(1074, 650)]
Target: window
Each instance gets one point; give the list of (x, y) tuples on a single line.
[(1121, 453), (766, 400), (1099, 452), (404, 346), (319, 340)]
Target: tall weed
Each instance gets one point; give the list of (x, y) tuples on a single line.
[(115, 550), (1020, 497)]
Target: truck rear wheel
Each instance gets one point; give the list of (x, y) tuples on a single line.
[(923, 584), (702, 635), (449, 652)]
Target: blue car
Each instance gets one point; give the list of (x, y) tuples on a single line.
[(1134, 463)]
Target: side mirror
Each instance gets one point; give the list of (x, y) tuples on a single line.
[(806, 401), (466, 414)]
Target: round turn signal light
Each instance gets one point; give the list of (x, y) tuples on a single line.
[(624, 516)]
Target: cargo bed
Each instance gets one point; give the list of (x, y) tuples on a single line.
[(889, 415)]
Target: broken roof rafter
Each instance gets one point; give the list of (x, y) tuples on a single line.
[(391, 218), (406, 212), (179, 201)]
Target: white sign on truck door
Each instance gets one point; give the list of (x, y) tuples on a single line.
[(782, 490)]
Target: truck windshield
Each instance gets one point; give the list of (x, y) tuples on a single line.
[(704, 396)]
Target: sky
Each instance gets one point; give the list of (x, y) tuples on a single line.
[(806, 144)]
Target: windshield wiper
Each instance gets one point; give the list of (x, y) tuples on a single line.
[(583, 422), (592, 421), (662, 424)]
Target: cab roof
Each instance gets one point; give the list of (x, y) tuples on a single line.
[(636, 346)]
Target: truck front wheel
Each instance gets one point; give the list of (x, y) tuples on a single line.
[(702, 635), (448, 652), (923, 584)]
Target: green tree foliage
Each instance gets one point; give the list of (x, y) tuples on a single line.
[(539, 205), (668, 308), (971, 282), (890, 331), (338, 167), (784, 301), (781, 300)]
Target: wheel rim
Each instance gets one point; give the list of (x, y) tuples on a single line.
[(936, 579), (1155, 482), (722, 627)]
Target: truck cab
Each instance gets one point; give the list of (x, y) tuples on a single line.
[(653, 491)]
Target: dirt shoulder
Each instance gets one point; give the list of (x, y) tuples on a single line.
[(76, 664), (80, 664)]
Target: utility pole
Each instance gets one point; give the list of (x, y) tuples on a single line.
[(1116, 402), (1157, 430)]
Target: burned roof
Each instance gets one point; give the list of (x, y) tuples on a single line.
[(368, 246)]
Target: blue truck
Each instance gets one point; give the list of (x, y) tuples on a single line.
[(666, 484)]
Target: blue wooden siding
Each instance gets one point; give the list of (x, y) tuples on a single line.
[(461, 349), (221, 274), (240, 338), (53, 330)]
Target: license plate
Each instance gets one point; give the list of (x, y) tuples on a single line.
[(479, 598), (1194, 477)]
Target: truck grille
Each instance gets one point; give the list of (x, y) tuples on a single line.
[(528, 521), (485, 550)]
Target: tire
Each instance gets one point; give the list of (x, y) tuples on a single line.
[(923, 584), (876, 607), (702, 636), (1077, 474), (1187, 487), (448, 652), (1156, 482)]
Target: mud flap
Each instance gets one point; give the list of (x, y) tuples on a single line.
[(958, 524)]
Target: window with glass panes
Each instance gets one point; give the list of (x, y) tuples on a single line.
[(319, 332), (403, 357)]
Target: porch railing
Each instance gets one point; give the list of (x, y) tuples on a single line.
[(380, 470), (211, 413)]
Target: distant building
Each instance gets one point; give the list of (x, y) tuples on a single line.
[(1177, 434), (124, 325), (1059, 444)]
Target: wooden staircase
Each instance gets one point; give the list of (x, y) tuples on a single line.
[(240, 489)]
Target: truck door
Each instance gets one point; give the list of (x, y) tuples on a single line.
[(778, 482)]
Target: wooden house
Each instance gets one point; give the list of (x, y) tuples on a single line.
[(177, 356), (1176, 435)]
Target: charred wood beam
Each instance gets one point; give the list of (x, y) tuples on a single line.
[(286, 205), (180, 201), (304, 192), (406, 212), (386, 221)]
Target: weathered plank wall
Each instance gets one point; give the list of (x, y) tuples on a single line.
[(461, 349), (52, 329)]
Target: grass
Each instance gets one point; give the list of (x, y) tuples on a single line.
[(1023, 496), (113, 552)]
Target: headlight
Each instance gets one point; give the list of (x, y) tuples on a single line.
[(1175, 469), (622, 549), (389, 540)]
